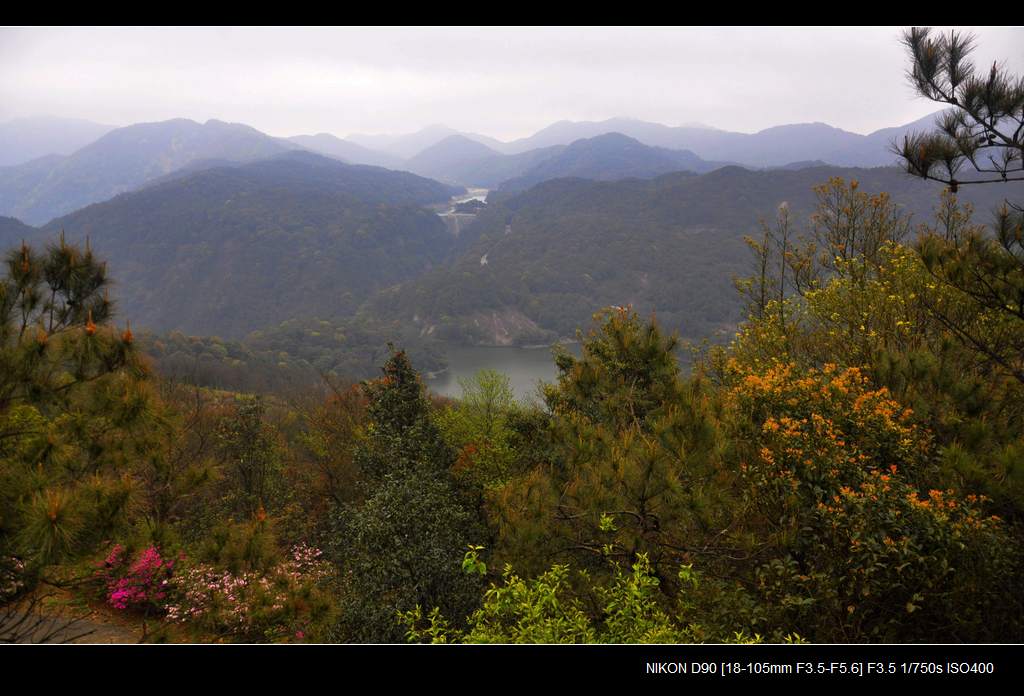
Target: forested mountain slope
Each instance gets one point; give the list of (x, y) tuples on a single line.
[(229, 250), (535, 265), (122, 160)]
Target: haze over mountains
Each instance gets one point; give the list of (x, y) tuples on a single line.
[(773, 147), (230, 249), (25, 139), (408, 145), (221, 230), (346, 150), (609, 157), (124, 159)]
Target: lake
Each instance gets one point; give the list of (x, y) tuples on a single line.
[(525, 368)]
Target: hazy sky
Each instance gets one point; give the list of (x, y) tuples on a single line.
[(503, 82)]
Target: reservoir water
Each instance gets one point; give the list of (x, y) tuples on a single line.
[(525, 367)]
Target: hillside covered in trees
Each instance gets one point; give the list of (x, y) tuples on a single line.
[(536, 265), (293, 356), (233, 249)]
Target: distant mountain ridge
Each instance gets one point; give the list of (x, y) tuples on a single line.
[(445, 153), (12, 231), (448, 158), (609, 157), (605, 157), (25, 139), (125, 159), (776, 146), (408, 145), (122, 160), (346, 150)]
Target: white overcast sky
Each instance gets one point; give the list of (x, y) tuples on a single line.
[(504, 82)]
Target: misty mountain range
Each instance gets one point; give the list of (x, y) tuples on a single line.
[(122, 160), (55, 166), (229, 248), (779, 146), (771, 147), (221, 230)]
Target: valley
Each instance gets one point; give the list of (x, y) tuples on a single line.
[(238, 250), (455, 212)]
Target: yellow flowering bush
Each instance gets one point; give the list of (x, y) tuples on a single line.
[(825, 428), (858, 552)]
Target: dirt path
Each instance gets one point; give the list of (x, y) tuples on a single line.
[(57, 630), (62, 622)]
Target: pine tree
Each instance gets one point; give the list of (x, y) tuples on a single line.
[(75, 410), (402, 437), (637, 459), (403, 545), (247, 447), (984, 131)]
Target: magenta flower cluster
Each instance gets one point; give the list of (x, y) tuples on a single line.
[(141, 585)]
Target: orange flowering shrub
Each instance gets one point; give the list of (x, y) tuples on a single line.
[(833, 469), (818, 430)]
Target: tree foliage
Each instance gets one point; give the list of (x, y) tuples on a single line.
[(635, 459), (479, 427), (983, 132), (547, 609), (985, 129), (75, 411), (401, 545)]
